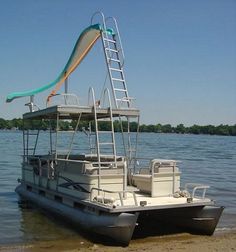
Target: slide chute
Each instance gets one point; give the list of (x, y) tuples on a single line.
[(85, 42)]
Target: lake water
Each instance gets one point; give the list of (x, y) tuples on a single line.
[(204, 159)]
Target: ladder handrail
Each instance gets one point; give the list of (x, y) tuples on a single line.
[(119, 38), (104, 24), (91, 93), (114, 57), (96, 120), (103, 19), (109, 71), (112, 78), (106, 92)]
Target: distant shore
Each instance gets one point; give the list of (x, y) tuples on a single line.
[(221, 130), (220, 241)]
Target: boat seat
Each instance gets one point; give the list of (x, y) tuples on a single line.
[(162, 178)]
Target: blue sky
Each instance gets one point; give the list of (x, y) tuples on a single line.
[(180, 55)]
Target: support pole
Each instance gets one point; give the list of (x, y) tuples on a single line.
[(66, 86), (66, 90), (31, 103)]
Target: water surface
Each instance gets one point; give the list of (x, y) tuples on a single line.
[(203, 159)]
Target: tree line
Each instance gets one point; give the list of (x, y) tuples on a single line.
[(226, 130)]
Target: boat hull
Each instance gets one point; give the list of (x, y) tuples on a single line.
[(120, 225), (195, 219), (117, 226)]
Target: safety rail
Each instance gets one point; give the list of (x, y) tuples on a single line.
[(148, 163), (31, 104), (39, 167), (136, 163), (67, 99), (26, 142), (102, 199), (73, 161), (195, 187), (95, 167)]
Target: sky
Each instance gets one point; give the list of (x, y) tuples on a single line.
[(180, 56)]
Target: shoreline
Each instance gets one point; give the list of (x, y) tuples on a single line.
[(220, 241)]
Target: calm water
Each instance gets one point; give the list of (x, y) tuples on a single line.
[(204, 159)]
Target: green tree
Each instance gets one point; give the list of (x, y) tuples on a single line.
[(3, 124), (180, 129), (158, 128), (195, 129), (166, 128)]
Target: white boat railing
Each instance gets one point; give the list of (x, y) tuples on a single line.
[(196, 187), (100, 197), (44, 167)]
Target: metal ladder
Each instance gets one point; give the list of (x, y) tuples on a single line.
[(99, 133), (27, 146), (114, 56)]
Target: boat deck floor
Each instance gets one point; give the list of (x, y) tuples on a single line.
[(161, 200), (146, 202)]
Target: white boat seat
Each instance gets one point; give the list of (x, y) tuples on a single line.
[(164, 181)]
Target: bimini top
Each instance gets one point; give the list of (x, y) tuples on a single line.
[(83, 45)]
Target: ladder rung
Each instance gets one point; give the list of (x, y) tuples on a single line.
[(106, 143), (104, 131), (107, 155), (115, 69), (124, 99), (120, 90), (104, 120), (131, 149), (115, 60), (111, 162), (115, 79), (111, 50), (65, 131), (62, 151), (104, 164), (109, 40)]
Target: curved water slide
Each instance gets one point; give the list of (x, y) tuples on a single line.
[(85, 42)]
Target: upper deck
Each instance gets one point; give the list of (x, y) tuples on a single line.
[(73, 111)]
